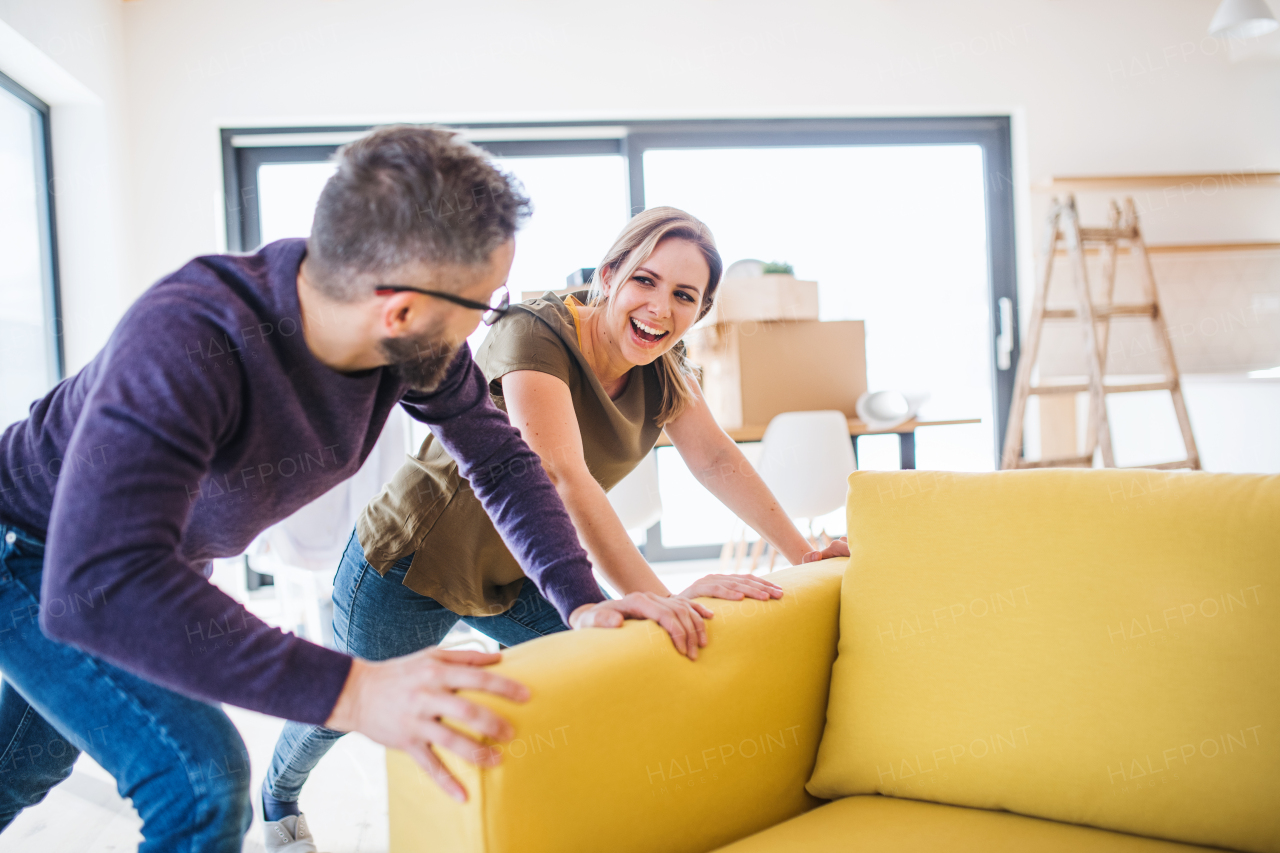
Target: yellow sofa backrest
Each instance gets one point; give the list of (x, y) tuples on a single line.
[(1095, 647), (628, 747)]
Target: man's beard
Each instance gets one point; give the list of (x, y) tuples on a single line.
[(420, 361)]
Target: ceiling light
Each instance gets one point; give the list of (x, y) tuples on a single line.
[(1243, 19)]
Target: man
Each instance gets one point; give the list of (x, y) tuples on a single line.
[(233, 392)]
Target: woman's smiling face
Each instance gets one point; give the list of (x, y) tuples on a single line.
[(653, 309)]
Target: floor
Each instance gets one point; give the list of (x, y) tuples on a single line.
[(345, 799)]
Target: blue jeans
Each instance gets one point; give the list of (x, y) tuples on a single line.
[(376, 617), (180, 760)]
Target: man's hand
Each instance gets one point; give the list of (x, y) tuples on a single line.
[(733, 588), (399, 703), (837, 548), (679, 617)]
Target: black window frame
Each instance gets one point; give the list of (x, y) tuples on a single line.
[(631, 139), (240, 166), (46, 213)]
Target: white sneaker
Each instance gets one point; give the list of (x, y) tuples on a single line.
[(289, 835)]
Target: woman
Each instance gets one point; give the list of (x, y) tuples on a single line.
[(590, 386)]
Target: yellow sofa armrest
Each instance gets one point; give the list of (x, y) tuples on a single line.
[(627, 746)]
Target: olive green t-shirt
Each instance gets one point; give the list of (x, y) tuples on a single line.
[(428, 510)]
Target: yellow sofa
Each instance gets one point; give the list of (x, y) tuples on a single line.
[(1031, 660)]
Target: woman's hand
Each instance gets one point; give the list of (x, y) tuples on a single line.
[(733, 588), (837, 548), (679, 617)]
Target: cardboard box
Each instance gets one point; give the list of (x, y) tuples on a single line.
[(766, 297), (752, 372)]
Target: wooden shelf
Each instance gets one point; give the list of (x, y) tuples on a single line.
[(1197, 248), (1220, 180), (856, 427)]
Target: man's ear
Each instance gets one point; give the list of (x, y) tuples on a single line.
[(397, 312)]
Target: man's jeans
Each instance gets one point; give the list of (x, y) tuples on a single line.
[(377, 617), (180, 760)]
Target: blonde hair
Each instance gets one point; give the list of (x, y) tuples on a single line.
[(633, 247)]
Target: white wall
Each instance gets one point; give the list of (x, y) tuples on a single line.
[(70, 55), (1098, 86)]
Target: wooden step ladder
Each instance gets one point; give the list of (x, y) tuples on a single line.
[(1064, 225)]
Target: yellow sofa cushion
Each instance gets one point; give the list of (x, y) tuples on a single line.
[(628, 747), (1095, 647), (875, 824)]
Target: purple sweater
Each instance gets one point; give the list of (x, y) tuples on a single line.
[(204, 420)]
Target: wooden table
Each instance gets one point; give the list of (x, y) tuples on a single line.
[(906, 432), (655, 552)]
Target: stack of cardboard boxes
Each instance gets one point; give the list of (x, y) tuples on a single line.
[(763, 352)]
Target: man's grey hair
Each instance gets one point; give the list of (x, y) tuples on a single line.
[(409, 195)]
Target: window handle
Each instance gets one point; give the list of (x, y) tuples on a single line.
[(1004, 343)]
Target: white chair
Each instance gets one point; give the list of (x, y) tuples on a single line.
[(635, 499), (805, 460)]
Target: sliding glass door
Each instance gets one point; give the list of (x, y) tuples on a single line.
[(906, 223), (895, 236)]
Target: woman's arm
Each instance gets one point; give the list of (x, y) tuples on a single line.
[(720, 466), (541, 407)]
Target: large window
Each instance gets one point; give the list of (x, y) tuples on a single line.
[(579, 198), (905, 223), (895, 236), (580, 204), (30, 351)]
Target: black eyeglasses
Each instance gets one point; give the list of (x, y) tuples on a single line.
[(493, 312)]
